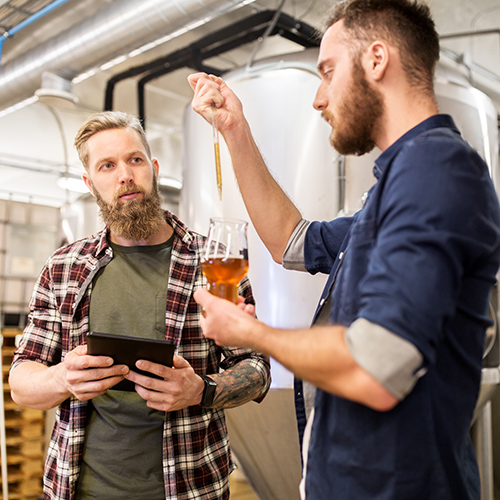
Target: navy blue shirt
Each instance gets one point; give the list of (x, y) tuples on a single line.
[(420, 260)]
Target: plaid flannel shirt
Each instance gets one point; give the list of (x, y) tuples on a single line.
[(196, 455)]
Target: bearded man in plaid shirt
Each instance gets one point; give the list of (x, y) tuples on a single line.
[(168, 438)]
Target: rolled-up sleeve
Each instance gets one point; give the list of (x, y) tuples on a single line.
[(313, 246), (393, 361), (293, 256)]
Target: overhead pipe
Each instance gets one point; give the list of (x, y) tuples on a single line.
[(117, 30), (471, 66), (28, 21), (219, 42), (183, 57), (282, 24), (267, 33), (468, 34)]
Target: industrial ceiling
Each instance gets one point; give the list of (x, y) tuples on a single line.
[(61, 60)]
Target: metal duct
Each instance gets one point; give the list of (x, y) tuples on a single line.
[(117, 30)]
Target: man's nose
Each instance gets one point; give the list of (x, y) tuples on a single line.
[(319, 102), (125, 174)]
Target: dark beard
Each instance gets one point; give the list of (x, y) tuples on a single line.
[(133, 220), (359, 115)]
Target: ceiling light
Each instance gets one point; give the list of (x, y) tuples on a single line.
[(56, 91)]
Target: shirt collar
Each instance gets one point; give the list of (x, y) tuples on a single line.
[(435, 121)]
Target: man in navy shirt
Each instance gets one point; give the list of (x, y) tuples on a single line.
[(398, 364)]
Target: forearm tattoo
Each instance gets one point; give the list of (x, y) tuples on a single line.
[(238, 385)]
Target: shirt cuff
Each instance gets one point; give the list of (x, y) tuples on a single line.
[(393, 361), (293, 256)]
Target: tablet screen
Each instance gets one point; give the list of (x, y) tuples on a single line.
[(127, 350)]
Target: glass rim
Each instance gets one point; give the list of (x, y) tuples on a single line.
[(228, 220)]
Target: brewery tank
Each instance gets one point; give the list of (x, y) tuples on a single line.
[(277, 96)]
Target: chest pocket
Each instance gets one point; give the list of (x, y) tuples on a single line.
[(346, 292)]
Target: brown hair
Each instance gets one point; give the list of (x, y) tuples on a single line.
[(405, 24), (106, 120)]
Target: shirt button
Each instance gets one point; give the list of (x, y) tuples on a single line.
[(341, 255)]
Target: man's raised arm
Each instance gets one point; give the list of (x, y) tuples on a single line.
[(272, 213)]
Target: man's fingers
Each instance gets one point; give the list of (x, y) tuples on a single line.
[(93, 374), (74, 361), (203, 297), (81, 350), (180, 362), (89, 390), (207, 91), (194, 78), (162, 371)]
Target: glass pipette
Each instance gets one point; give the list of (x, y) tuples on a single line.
[(217, 150)]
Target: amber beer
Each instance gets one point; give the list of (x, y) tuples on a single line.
[(224, 275), (224, 260)]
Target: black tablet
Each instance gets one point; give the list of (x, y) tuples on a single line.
[(127, 350)]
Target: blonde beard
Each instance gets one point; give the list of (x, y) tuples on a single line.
[(133, 220)]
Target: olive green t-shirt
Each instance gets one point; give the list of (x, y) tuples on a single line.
[(122, 455)]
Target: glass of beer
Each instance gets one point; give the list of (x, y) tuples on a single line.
[(225, 257)]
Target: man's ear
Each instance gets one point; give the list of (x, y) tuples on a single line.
[(156, 166), (376, 60), (86, 179)]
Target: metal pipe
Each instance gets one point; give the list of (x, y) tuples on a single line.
[(28, 21), (270, 28), (224, 40), (471, 66), (342, 185), (117, 31), (210, 44), (470, 33)]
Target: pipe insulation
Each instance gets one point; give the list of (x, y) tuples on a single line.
[(115, 31), (30, 20)]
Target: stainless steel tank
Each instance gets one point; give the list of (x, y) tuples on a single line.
[(277, 96), (277, 99), (294, 141)]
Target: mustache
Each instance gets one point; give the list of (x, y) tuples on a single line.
[(326, 115), (131, 188)]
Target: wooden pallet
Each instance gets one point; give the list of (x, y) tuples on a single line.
[(25, 436)]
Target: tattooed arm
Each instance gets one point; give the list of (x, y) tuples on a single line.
[(245, 381), (246, 374), (246, 378)]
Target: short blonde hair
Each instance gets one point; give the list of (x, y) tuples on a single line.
[(106, 120)]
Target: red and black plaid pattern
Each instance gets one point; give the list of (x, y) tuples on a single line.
[(196, 455)]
